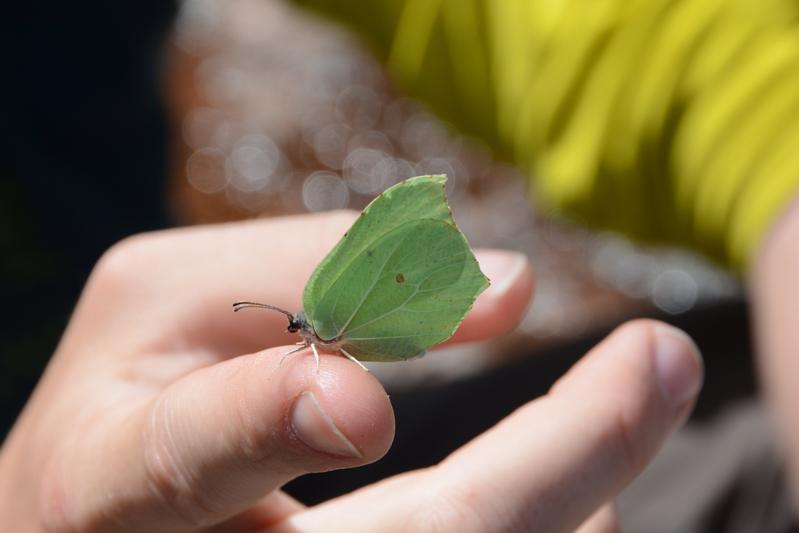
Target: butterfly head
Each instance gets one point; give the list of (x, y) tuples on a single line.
[(297, 322)]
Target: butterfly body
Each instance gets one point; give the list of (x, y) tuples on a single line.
[(299, 324)]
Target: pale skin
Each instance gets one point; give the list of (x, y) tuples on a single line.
[(162, 410), (774, 284)]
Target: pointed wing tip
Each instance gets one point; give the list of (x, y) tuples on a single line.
[(435, 178)]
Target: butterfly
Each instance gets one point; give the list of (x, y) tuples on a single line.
[(399, 281)]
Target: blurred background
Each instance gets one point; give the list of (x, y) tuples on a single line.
[(271, 111), (276, 112)]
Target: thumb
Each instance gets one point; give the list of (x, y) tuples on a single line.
[(215, 442)]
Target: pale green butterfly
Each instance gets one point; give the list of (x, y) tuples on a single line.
[(400, 280)]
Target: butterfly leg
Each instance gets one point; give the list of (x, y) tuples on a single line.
[(295, 350), (315, 356), (351, 358)]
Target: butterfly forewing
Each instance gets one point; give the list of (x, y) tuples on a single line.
[(399, 281), (414, 199), (406, 292)]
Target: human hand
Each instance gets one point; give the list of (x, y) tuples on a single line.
[(149, 419)]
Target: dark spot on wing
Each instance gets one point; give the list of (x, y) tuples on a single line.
[(369, 253), (400, 277)]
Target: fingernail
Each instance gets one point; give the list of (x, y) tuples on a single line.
[(315, 428), (502, 267), (678, 365)]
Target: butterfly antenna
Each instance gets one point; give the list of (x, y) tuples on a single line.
[(243, 305)]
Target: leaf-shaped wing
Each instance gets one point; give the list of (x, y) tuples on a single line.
[(406, 291), (414, 199)]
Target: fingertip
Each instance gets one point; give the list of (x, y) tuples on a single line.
[(312, 425), (643, 380), (503, 304), (675, 361), (505, 268), (339, 409), (678, 365)]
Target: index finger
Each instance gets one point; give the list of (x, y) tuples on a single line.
[(182, 282)]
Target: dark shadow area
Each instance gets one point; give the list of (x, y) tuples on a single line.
[(83, 162)]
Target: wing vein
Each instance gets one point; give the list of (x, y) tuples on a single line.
[(404, 303), (371, 288), (386, 337)]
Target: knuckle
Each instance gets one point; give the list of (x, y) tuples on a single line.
[(625, 445), (456, 508), (170, 482), (255, 439), (121, 263), (247, 435), (54, 503)]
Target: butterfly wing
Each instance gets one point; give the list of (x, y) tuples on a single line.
[(406, 291), (413, 199)]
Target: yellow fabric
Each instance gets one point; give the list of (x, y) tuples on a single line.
[(671, 121)]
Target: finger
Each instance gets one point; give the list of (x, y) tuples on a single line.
[(182, 283), (218, 440), (605, 520), (552, 463), (597, 428), (189, 278)]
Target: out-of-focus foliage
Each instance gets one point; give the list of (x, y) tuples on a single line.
[(289, 113)]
